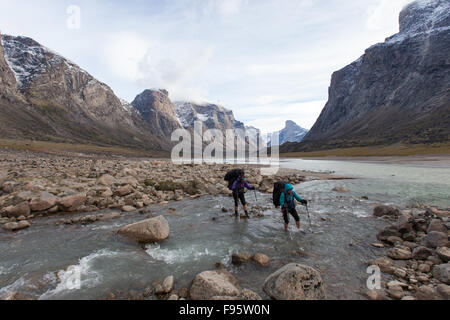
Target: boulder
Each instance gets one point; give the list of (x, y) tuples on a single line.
[(437, 225), (106, 180), (240, 258), (16, 226), (396, 292), (444, 253), (404, 223), (422, 253), (399, 253), (147, 231), (167, 285), (218, 283), (247, 294), (261, 259), (427, 293), (8, 186), (444, 291), (441, 272), (124, 190), (381, 211), (73, 202), (295, 282), (128, 209), (389, 231), (43, 202), (435, 239), (385, 264), (22, 209)]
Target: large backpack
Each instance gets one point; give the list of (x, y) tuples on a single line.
[(278, 189), (232, 176)]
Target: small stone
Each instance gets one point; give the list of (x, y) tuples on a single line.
[(399, 254), (167, 284), (396, 292), (421, 253), (424, 268), (128, 209), (444, 291), (240, 258), (372, 295), (443, 253), (261, 259)]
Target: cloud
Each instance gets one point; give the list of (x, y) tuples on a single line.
[(384, 15), (152, 64)]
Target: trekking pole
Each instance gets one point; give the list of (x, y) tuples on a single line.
[(309, 218), (256, 198)]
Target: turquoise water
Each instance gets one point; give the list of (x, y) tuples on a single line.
[(404, 184)]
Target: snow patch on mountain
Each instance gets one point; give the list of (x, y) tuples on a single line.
[(291, 133)]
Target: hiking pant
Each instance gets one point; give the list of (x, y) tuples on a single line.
[(292, 212), (239, 196)]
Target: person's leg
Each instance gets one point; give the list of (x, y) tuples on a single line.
[(294, 214), (244, 203), (286, 220), (236, 204)]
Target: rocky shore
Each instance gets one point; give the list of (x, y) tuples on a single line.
[(416, 265)]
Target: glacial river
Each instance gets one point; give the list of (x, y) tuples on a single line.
[(36, 262)]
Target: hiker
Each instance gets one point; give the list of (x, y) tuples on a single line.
[(238, 189), (287, 202)]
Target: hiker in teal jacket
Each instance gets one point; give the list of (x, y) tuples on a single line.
[(287, 202)]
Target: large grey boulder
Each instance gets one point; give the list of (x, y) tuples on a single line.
[(381, 211), (73, 202), (147, 231), (21, 209), (441, 272), (295, 282), (435, 239), (43, 202), (210, 284)]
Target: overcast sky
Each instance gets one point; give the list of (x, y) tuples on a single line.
[(267, 60)]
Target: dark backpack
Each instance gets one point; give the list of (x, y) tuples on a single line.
[(278, 189), (232, 176)]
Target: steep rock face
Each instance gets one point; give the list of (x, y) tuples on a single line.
[(56, 100), (157, 110), (291, 133), (398, 91), (211, 115), (7, 78)]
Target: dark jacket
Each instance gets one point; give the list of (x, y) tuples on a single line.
[(239, 186)]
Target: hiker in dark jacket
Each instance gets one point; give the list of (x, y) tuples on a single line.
[(287, 202), (239, 194)]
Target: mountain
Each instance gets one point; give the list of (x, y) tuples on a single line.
[(291, 133), (157, 110), (47, 97), (397, 92), (213, 116)]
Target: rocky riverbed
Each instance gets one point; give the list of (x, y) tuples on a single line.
[(37, 185), (148, 229)]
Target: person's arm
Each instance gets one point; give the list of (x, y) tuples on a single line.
[(249, 187), (297, 196), (282, 200)]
